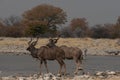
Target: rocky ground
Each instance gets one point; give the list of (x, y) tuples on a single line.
[(108, 75)]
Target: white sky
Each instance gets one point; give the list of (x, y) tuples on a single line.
[(95, 11)]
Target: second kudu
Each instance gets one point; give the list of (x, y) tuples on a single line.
[(45, 53), (71, 53)]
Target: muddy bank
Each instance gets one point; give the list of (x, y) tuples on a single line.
[(94, 46)]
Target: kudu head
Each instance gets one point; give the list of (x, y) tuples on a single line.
[(31, 44), (54, 40)]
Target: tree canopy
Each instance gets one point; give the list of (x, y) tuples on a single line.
[(44, 15), (79, 27)]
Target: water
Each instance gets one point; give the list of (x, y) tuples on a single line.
[(25, 64)]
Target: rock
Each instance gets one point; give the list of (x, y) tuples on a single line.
[(82, 77), (111, 72), (36, 76), (50, 76), (8, 78), (98, 73), (101, 74), (21, 78)]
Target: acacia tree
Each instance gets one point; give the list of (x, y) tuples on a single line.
[(12, 27), (101, 31), (118, 21), (12, 21), (79, 27), (116, 29), (1, 28), (46, 16)]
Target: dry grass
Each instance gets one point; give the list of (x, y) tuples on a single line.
[(78, 42), (95, 46)]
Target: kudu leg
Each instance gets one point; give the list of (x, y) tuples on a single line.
[(78, 66), (59, 72), (76, 70), (40, 65), (45, 63), (62, 64), (78, 63)]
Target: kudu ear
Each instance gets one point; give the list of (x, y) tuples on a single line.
[(50, 39), (55, 40), (58, 37)]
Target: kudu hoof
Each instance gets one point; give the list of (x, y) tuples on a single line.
[(80, 68), (59, 75)]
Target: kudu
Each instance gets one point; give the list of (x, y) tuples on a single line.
[(72, 53), (45, 53)]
